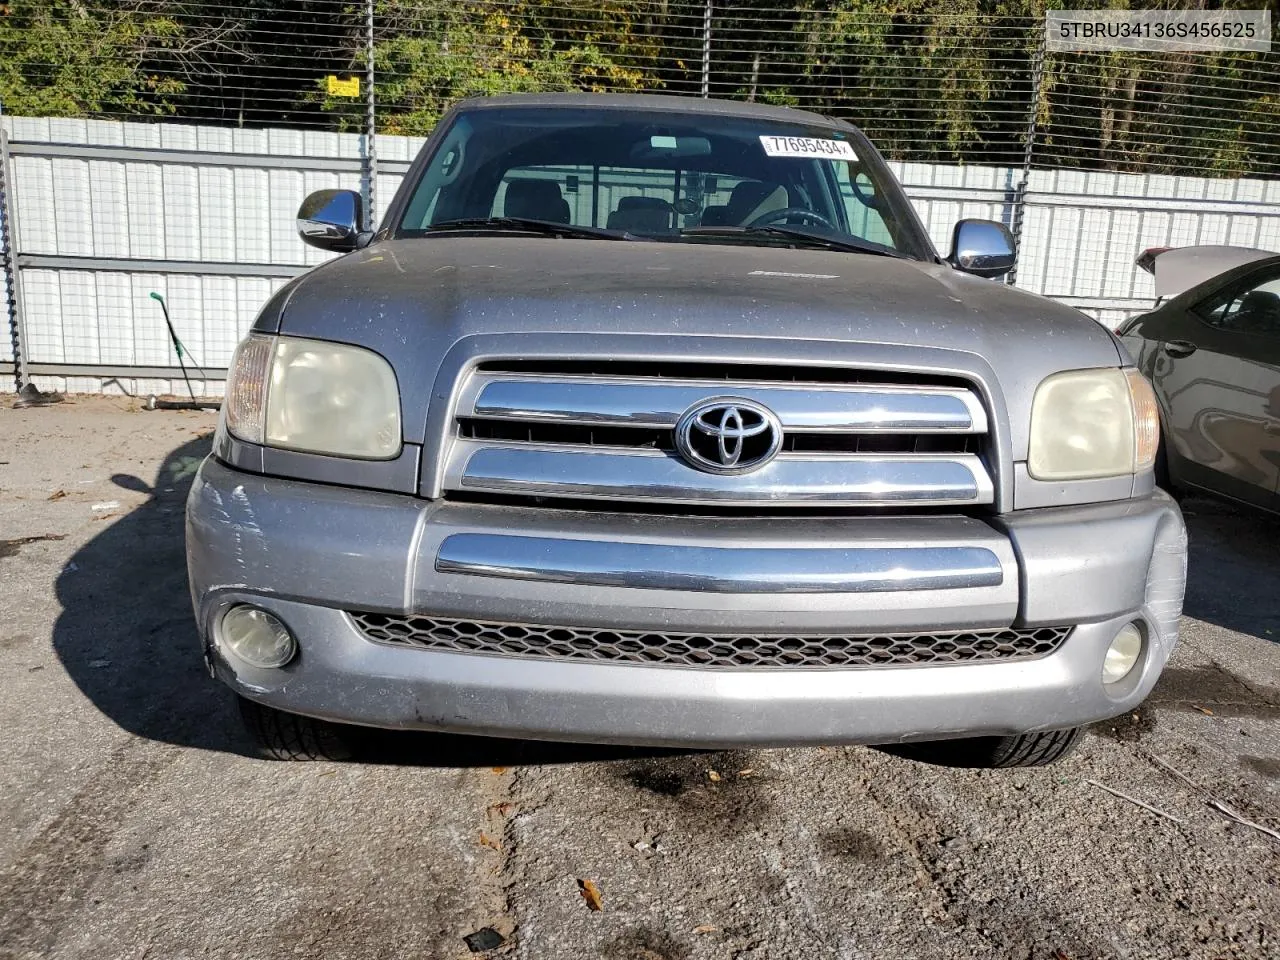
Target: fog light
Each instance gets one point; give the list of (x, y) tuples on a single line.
[(1122, 654), (257, 637)]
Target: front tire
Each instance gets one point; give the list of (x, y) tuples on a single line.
[(994, 753), (289, 736)]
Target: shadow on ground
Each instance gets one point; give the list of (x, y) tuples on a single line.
[(127, 638), (1233, 571), (126, 635)]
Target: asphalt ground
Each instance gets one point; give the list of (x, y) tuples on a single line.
[(136, 821)]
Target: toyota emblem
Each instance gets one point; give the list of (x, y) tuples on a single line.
[(728, 435)]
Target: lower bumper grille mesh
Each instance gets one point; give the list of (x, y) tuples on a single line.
[(707, 650)]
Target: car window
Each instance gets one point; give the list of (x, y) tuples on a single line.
[(1252, 308), (858, 191), (657, 174), (594, 195)]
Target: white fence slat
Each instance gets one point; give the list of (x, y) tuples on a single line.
[(1081, 230)]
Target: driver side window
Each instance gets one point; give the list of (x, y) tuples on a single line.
[(1253, 308)]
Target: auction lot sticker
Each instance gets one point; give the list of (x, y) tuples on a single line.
[(1164, 31), (807, 147)]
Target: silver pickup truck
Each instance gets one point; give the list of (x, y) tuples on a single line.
[(660, 421)]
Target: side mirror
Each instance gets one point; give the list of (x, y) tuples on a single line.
[(331, 220), (981, 247)]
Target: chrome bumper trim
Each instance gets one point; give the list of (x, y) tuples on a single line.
[(613, 401), (661, 566), (789, 480)]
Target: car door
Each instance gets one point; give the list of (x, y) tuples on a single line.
[(1216, 369)]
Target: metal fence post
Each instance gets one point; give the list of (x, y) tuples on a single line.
[(371, 125), (9, 259), (706, 51), (1033, 119)]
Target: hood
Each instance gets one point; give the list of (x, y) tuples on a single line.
[(1178, 269), (411, 300)]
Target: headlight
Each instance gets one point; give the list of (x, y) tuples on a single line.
[(1092, 423), (314, 396)]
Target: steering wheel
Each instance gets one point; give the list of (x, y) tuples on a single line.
[(786, 213)]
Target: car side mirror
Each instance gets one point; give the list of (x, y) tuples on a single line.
[(331, 220), (981, 247)]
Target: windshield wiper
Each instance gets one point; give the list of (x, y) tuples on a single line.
[(845, 243), (530, 225)]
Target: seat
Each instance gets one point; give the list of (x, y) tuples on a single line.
[(748, 200), (535, 200), (1259, 313), (643, 215)]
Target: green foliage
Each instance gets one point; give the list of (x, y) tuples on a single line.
[(73, 58), (944, 81), (435, 53)]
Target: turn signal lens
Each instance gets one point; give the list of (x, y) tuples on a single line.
[(245, 405), (1146, 421)]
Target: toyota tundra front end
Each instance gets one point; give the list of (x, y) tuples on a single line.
[(658, 421)]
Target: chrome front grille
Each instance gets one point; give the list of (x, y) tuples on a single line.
[(545, 642), (849, 438)]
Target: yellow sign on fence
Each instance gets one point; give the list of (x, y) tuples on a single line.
[(343, 88)]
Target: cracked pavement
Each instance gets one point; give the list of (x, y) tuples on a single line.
[(138, 823)]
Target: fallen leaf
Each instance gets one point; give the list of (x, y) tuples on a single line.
[(591, 893), (501, 770), (746, 773), (488, 841), (57, 495), (705, 928), (713, 776), (1205, 710), (1059, 955), (502, 809)]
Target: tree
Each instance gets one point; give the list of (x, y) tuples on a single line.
[(74, 57), (945, 82), (433, 52)]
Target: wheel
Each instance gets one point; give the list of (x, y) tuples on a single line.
[(289, 736), (994, 753)]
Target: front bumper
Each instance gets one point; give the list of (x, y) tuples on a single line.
[(310, 552)]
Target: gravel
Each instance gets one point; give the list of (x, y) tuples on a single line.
[(139, 823)]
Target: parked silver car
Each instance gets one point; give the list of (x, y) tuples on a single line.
[(660, 421)]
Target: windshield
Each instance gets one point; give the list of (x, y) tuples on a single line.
[(661, 175)]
